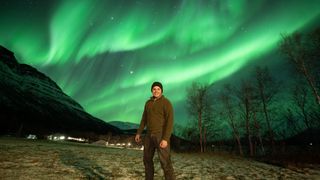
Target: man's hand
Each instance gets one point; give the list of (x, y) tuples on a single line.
[(163, 144), (137, 138)]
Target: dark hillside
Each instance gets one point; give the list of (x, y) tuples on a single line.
[(31, 103)]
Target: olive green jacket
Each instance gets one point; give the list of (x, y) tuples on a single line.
[(157, 117)]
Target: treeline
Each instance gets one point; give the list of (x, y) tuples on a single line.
[(260, 111)]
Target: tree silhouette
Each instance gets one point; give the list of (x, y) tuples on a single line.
[(199, 108), (229, 111), (266, 88), (246, 97), (300, 98), (303, 52)]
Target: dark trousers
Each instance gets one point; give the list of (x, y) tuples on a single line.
[(151, 143)]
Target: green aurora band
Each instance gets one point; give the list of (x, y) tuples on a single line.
[(105, 54)]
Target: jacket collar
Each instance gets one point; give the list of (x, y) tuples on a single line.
[(154, 99)]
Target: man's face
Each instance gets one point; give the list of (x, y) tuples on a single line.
[(156, 91)]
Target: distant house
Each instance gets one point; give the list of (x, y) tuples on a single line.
[(57, 137), (32, 136), (63, 137)]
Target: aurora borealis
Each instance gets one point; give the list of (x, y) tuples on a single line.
[(105, 54)]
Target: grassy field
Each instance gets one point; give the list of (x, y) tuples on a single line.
[(42, 159)]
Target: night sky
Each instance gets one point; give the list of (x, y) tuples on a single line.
[(106, 54)]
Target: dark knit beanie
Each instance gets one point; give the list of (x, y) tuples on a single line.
[(157, 84)]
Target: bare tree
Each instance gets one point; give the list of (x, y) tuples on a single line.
[(230, 113), (209, 129), (257, 128), (198, 107), (315, 116), (267, 88), (300, 98), (303, 53), (292, 125), (245, 96)]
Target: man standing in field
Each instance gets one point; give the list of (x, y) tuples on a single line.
[(158, 119)]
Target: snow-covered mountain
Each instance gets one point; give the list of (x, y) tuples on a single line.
[(30, 102)]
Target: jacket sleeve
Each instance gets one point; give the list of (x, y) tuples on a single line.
[(143, 121), (168, 121)]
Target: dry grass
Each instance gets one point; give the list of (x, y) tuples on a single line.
[(40, 159)]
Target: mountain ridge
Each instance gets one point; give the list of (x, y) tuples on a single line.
[(30, 102), (124, 125)]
